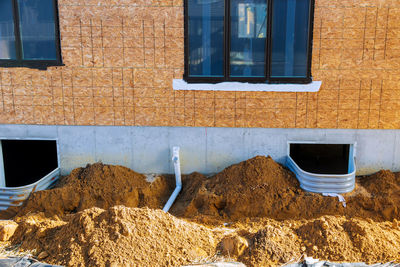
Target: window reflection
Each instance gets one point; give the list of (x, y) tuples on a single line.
[(206, 38), (248, 33), (290, 30), (7, 37), (252, 20), (37, 29)]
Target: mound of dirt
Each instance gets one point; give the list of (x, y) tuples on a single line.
[(383, 183), (271, 220), (383, 194), (96, 185), (121, 236), (118, 236), (272, 245), (342, 239), (257, 187), (249, 189), (260, 187), (331, 238)]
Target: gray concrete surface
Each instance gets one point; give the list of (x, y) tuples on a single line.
[(206, 150)]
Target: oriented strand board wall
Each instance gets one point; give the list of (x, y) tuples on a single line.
[(121, 57)]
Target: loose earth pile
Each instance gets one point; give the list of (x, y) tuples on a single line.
[(97, 185), (117, 236), (260, 187), (253, 212)]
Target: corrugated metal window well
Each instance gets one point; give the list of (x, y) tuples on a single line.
[(26, 166), (323, 167)]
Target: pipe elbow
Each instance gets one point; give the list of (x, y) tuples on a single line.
[(178, 181)]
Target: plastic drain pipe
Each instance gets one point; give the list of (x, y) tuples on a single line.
[(178, 181)]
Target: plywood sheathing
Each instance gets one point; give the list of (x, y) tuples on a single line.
[(121, 57)]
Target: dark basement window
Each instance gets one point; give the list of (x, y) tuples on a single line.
[(27, 161), (321, 158)]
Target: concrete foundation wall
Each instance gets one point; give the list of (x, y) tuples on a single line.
[(206, 150)]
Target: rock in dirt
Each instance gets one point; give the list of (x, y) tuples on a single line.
[(233, 246), (7, 229)]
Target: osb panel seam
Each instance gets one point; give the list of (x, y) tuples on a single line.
[(121, 57)]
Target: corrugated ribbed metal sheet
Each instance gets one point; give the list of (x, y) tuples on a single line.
[(14, 196)]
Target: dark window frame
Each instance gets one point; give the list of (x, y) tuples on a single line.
[(227, 29), (37, 63)]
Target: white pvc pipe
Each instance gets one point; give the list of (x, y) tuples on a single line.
[(178, 181)]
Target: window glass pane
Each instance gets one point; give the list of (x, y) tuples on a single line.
[(206, 38), (7, 37), (248, 35), (290, 26), (37, 28)]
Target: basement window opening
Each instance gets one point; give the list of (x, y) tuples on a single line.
[(321, 158), (26, 161)]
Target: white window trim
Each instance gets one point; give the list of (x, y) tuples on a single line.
[(179, 84)]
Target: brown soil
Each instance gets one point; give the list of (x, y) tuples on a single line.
[(253, 212), (96, 185), (144, 237), (332, 238), (260, 187), (120, 236)]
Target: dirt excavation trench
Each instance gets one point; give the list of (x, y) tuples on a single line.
[(253, 212)]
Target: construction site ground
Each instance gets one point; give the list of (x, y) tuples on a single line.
[(253, 212)]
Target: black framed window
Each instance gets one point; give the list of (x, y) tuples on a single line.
[(248, 40), (29, 33)]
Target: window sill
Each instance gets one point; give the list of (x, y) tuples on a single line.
[(179, 84)]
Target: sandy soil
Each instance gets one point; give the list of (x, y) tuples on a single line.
[(253, 212)]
